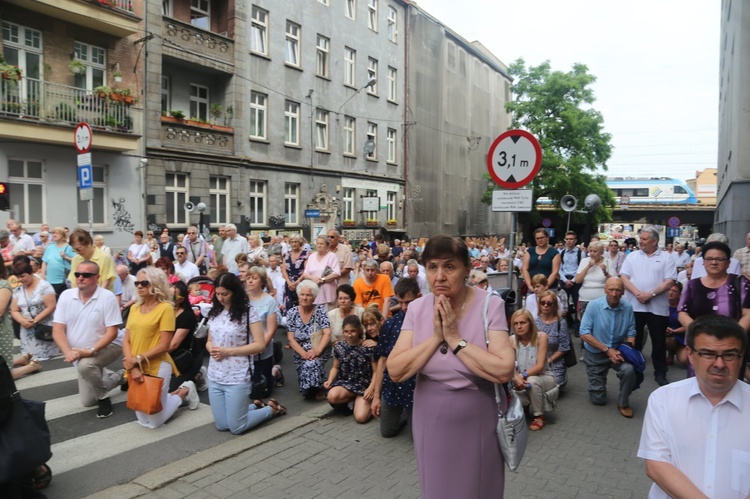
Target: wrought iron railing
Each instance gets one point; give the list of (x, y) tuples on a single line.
[(51, 102), (126, 5)]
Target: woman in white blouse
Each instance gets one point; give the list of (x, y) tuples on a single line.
[(592, 273), (232, 322)]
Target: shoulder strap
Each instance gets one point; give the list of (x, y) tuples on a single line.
[(486, 323), (579, 256), (738, 293)]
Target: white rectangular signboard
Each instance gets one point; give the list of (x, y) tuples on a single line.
[(512, 200)]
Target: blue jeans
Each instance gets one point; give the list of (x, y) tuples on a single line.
[(231, 409)]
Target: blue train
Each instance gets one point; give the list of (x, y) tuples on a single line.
[(655, 190)]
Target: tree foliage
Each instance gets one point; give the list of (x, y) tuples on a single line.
[(556, 107)]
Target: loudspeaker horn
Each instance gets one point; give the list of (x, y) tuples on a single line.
[(189, 206), (568, 203)]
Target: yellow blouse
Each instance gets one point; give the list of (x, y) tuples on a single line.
[(145, 332)]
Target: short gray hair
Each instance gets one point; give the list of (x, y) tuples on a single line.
[(412, 263), (310, 286), (652, 232), (230, 227), (717, 236), (597, 245), (371, 262)]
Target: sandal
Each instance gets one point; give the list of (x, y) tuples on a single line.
[(537, 424), (259, 404), (276, 408), (22, 360), (36, 364), (42, 477)]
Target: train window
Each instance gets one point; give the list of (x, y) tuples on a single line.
[(679, 190)]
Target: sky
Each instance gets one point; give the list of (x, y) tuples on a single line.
[(656, 64)]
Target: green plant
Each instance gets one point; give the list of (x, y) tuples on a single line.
[(103, 91), (10, 72), (372, 220), (47, 68), (177, 114), (76, 66), (117, 75), (391, 221), (215, 111), (349, 221)]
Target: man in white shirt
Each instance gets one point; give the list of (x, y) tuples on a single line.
[(277, 278), (37, 238), (699, 268), (184, 267), (23, 244), (196, 247), (234, 244), (343, 254), (742, 255), (85, 328), (412, 270), (679, 256), (129, 293), (695, 437), (648, 274)]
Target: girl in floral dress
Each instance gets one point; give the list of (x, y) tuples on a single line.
[(351, 377)]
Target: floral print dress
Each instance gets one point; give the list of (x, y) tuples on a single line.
[(294, 270), (355, 366), (31, 305), (312, 373)]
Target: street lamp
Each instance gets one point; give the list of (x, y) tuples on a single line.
[(372, 81)]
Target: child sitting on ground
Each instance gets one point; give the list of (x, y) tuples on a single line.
[(351, 377)]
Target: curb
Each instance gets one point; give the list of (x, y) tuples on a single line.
[(171, 472)]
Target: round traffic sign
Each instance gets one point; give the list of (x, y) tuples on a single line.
[(514, 159), (624, 199), (546, 222), (673, 222), (82, 138)]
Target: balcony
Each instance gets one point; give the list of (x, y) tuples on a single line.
[(192, 136), (186, 42), (39, 111), (114, 17)]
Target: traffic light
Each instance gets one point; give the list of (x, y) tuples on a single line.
[(4, 196)]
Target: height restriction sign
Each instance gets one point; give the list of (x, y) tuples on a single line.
[(514, 159)]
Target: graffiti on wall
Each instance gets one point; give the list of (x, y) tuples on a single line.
[(121, 216)]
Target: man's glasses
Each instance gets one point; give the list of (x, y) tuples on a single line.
[(717, 259), (181, 253), (143, 284), (85, 275), (728, 357)]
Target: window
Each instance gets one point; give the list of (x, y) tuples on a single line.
[(350, 134), (99, 184), (350, 64), (323, 49), (390, 205), (372, 135), (95, 59), (348, 208), (166, 8), (351, 9), (22, 47), (257, 203), (198, 102), (321, 130), (166, 101), (679, 190), (372, 72), (324, 2), (372, 14), (390, 138), (257, 115), (200, 14), (392, 25), (291, 123), (218, 191), (26, 185), (177, 195), (392, 88), (371, 194), (292, 43), (291, 203), (259, 31)]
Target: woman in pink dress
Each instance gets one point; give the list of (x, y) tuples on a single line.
[(442, 342), (322, 267)]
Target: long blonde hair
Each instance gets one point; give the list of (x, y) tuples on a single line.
[(532, 326), (159, 286)]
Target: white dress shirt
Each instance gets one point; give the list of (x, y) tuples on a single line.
[(709, 444), (188, 270), (647, 273)]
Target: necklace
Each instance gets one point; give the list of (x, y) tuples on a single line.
[(444, 344)]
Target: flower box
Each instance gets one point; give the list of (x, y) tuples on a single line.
[(349, 223)]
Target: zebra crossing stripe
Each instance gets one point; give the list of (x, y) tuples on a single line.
[(45, 378), (65, 406)]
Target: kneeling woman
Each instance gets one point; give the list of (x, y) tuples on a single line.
[(533, 378), (231, 323), (350, 379)]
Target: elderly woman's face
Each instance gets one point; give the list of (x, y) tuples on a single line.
[(321, 246), (446, 276), (294, 243), (305, 296), (344, 301), (716, 262), (56, 236), (504, 266), (594, 252)]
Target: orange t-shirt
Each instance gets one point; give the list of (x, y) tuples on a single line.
[(380, 291)]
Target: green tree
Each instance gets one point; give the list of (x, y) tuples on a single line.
[(556, 107)]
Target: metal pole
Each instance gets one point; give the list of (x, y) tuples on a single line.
[(568, 226), (91, 217), (511, 247)]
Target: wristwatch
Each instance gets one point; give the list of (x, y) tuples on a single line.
[(461, 344), (93, 351), (653, 294), (525, 374)]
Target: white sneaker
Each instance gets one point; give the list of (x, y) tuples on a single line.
[(192, 397), (202, 382)]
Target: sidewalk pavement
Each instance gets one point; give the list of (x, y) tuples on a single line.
[(585, 451)]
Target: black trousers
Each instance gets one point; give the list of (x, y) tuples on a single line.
[(657, 330)]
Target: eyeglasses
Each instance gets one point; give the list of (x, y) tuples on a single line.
[(85, 275), (181, 253), (547, 303), (144, 284), (728, 357), (332, 237), (717, 259)]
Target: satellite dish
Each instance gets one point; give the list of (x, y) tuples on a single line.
[(370, 146), (189, 206), (201, 207), (592, 202), (568, 203)]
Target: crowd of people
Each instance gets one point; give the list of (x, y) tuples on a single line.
[(412, 335)]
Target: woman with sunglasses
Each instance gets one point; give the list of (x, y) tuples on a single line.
[(145, 347), (550, 321)]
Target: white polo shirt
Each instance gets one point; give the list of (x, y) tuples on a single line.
[(647, 273), (709, 444), (86, 323), (188, 270)]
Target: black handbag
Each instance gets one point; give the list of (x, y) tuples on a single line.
[(42, 332), (569, 358), (183, 359), (24, 434)]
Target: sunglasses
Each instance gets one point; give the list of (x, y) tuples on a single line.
[(142, 283), (547, 303), (180, 253), (85, 275)]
